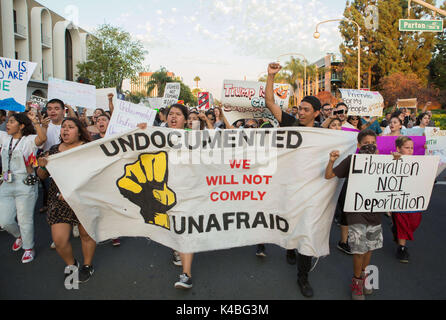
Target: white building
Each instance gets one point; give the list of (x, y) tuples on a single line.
[(29, 31)]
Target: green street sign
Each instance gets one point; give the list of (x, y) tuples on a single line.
[(421, 25)]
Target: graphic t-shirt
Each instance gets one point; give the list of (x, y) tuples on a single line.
[(25, 147)]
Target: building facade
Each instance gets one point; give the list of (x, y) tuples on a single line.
[(328, 77), (32, 32)]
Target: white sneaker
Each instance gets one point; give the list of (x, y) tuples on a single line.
[(177, 259), (53, 246), (28, 256), (76, 231)]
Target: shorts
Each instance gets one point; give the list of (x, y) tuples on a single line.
[(363, 238)]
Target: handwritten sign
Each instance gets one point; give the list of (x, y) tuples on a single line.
[(436, 143), (72, 93), (171, 94), (38, 102), (127, 116), (246, 100), (412, 132), (382, 184), (363, 103), (14, 78)]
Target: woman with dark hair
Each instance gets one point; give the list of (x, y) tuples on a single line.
[(355, 121), (395, 126), (18, 189), (423, 121), (61, 217)]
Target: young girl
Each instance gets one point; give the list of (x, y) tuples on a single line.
[(18, 190), (404, 223), (395, 126)]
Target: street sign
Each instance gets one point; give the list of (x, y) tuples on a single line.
[(421, 25)]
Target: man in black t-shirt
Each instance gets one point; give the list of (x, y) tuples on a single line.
[(309, 110)]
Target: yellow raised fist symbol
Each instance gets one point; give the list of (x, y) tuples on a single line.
[(145, 184)]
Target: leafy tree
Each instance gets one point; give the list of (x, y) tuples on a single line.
[(437, 67), (159, 80), (406, 86), (386, 50), (197, 80), (135, 98), (112, 57)]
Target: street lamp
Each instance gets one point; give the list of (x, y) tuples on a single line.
[(317, 35), (305, 67)]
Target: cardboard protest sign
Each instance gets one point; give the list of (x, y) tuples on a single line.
[(38, 102), (171, 94), (386, 145), (127, 116), (436, 143), (363, 103), (407, 103), (72, 93), (379, 183), (14, 78), (102, 98), (246, 100), (197, 191)]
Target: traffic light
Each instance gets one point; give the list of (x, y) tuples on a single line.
[(365, 81)]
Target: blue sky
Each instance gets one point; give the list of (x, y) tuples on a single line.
[(215, 39)]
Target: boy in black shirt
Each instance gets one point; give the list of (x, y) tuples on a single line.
[(365, 231), (309, 110)]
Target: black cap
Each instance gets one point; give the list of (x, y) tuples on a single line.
[(315, 102)]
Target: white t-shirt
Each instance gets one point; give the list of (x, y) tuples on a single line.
[(348, 125), (53, 136), (27, 147), (387, 130)]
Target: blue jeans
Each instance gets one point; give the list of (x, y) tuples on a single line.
[(18, 200)]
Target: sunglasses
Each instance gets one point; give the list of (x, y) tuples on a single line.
[(338, 112), (250, 127)]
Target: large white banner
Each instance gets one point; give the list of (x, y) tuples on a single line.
[(72, 93), (381, 184), (363, 103), (14, 78), (127, 116), (207, 190), (246, 100)]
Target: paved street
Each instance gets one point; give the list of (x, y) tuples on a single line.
[(141, 269)]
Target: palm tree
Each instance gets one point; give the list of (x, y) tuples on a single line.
[(158, 80), (197, 80)]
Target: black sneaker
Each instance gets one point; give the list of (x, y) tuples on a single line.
[(85, 273), (291, 257), (305, 287), (402, 254), (261, 251), (344, 247), (184, 283)]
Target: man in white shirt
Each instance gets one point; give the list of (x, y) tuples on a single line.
[(341, 113)]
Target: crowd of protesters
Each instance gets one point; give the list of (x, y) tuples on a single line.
[(27, 139)]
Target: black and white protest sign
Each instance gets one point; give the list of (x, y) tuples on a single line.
[(381, 184)]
